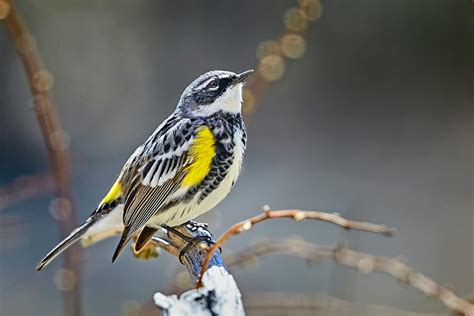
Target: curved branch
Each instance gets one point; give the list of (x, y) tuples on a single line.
[(358, 260), (297, 215)]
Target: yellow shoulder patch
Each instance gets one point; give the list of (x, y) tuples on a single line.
[(202, 152), (114, 192)]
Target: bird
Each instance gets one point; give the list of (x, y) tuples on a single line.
[(185, 168)]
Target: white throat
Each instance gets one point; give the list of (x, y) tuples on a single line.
[(230, 102)]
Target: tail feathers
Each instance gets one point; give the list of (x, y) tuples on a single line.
[(123, 241), (66, 243), (145, 235)]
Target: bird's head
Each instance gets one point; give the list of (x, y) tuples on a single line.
[(213, 92)]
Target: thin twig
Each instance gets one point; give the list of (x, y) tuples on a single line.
[(41, 82), (283, 303), (297, 215), (23, 188), (361, 261)]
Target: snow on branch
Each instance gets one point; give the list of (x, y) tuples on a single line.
[(219, 294)]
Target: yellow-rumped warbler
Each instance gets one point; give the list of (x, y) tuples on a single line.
[(184, 169)]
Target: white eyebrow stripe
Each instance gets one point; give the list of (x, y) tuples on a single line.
[(205, 83)]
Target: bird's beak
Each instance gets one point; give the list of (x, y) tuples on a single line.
[(241, 77)]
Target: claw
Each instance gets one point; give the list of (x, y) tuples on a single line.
[(184, 251), (191, 243)]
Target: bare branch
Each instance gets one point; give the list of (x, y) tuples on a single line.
[(361, 261), (284, 303), (297, 215), (41, 82), (23, 188), (299, 248)]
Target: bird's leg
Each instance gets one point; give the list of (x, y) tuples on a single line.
[(192, 241), (176, 232)]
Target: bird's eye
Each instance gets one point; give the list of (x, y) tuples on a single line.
[(213, 85)]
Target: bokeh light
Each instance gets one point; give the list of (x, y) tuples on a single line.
[(293, 46), (295, 20), (272, 67), (267, 48), (60, 140), (4, 9), (60, 209), (311, 9), (43, 80)]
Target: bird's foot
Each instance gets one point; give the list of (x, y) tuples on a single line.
[(193, 242), (204, 237)]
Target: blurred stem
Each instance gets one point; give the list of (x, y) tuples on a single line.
[(23, 188), (363, 262), (41, 82), (297, 215)]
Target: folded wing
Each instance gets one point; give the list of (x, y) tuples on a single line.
[(164, 164)]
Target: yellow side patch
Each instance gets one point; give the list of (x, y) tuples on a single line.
[(202, 153), (114, 192)]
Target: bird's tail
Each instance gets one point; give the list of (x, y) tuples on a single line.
[(66, 243)]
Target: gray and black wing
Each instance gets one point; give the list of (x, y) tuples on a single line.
[(155, 173)]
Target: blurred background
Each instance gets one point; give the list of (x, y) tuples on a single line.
[(365, 108)]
